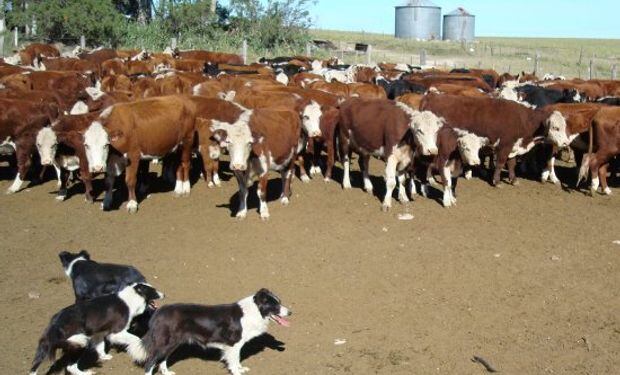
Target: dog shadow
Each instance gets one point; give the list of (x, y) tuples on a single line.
[(250, 349)]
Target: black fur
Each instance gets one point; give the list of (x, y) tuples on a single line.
[(91, 279)]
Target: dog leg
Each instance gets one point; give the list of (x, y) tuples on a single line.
[(231, 356), (100, 348), (163, 368), (75, 370)]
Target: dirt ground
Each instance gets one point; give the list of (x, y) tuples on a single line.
[(526, 277)]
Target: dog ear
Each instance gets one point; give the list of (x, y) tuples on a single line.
[(85, 254), (63, 256)]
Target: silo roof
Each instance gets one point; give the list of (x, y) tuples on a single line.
[(460, 11), (420, 3)]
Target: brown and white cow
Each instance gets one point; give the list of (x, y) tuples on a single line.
[(511, 128), (605, 145), (144, 129), (20, 121), (387, 130), (259, 141)]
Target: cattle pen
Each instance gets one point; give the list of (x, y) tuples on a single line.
[(499, 250)]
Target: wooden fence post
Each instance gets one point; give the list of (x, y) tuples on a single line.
[(422, 57), (308, 49), (537, 63), (83, 42), (16, 37), (369, 54), (2, 44), (245, 52), (591, 69), (613, 71)]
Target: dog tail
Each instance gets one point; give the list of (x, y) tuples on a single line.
[(137, 351), (45, 350)]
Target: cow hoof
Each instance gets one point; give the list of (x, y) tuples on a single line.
[(592, 192), (132, 207), (386, 207), (210, 185), (515, 183), (105, 357), (264, 217), (544, 177), (61, 198), (10, 191), (424, 190), (607, 191), (556, 181), (243, 370), (327, 180), (305, 179), (346, 184), (315, 171), (285, 201), (468, 175), (241, 215), (447, 203)]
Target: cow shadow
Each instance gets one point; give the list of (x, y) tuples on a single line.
[(250, 349), (274, 192)]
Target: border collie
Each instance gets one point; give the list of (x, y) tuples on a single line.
[(225, 327), (91, 279), (91, 322)]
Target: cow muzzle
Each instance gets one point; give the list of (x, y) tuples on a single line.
[(98, 169), (46, 162), (239, 167), (315, 134)]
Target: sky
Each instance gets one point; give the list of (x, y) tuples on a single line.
[(520, 18)]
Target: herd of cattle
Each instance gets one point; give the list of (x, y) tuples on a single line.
[(109, 111)]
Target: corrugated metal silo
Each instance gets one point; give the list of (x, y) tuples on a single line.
[(418, 19), (459, 25)]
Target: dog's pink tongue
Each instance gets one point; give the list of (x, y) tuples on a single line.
[(281, 321)]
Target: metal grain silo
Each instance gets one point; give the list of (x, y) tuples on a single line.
[(459, 25), (418, 19)]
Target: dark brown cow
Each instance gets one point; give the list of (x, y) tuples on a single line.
[(150, 128), (511, 128), (113, 67), (379, 128), (259, 141), (20, 122), (69, 64)]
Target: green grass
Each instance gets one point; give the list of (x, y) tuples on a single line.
[(557, 56)]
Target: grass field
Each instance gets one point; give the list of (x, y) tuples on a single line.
[(569, 57)]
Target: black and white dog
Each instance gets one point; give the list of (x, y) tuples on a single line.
[(91, 279), (225, 327), (91, 322)]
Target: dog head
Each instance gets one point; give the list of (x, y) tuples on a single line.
[(270, 307), (68, 259), (147, 292)]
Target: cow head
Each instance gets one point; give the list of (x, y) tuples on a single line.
[(238, 138), (469, 146), (311, 119), (97, 145), (47, 142), (425, 127), (558, 130)]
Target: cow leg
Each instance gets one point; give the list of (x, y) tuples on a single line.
[(331, 156), (208, 168), (512, 176), (502, 158), (390, 182), (23, 164), (58, 175), (602, 173), (261, 191), (131, 178), (242, 179), (548, 173), (402, 191), (62, 189), (303, 174), (364, 162), (183, 185), (286, 176), (446, 177), (345, 155)]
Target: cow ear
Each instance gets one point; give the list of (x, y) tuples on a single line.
[(115, 135), (219, 135)]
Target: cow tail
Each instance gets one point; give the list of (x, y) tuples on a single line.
[(585, 161)]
